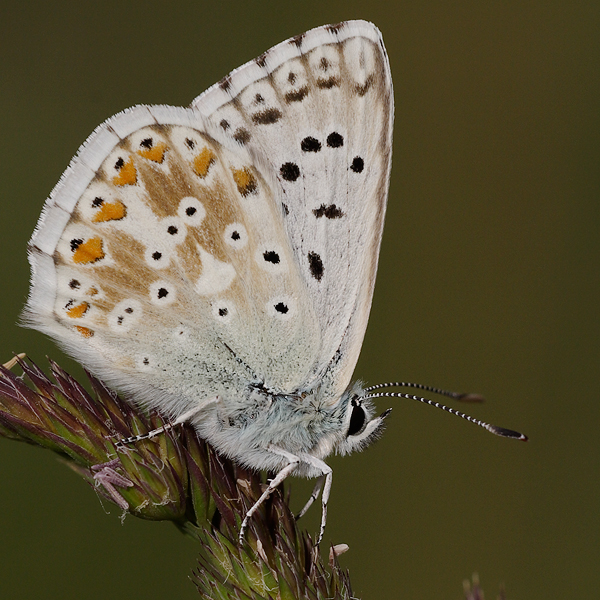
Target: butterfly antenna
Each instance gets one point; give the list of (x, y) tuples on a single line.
[(501, 431), (462, 397)]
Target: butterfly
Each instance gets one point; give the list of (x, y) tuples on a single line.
[(216, 263)]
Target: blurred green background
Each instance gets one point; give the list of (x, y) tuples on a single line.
[(488, 282)]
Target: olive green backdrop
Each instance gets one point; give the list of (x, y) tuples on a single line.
[(488, 282)]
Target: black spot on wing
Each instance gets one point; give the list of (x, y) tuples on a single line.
[(75, 243), (289, 171), (327, 83), (358, 164), (241, 135), (335, 140), (329, 212), (282, 308), (267, 116), (296, 95), (361, 90), (271, 256), (315, 265), (310, 144)]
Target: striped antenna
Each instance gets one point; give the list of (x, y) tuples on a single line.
[(462, 397), (501, 431)]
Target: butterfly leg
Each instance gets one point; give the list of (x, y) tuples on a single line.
[(313, 497), (327, 473), (186, 416), (287, 470)]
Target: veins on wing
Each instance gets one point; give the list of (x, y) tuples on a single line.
[(257, 382), (255, 377)]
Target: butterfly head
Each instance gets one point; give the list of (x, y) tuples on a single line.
[(360, 426)]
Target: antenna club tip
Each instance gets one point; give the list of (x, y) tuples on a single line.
[(471, 398), (509, 433)]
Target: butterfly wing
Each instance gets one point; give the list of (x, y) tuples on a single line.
[(320, 108), (176, 262), (161, 262)]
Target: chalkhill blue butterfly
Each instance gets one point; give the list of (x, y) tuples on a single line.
[(217, 263)]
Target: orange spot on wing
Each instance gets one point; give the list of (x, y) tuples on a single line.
[(156, 153), (110, 211), (127, 174), (92, 291), (76, 312), (203, 162), (245, 181), (88, 252), (84, 331)]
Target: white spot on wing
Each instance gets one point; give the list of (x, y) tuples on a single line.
[(162, 293), (191, 211), (137, 140), (291, 79), (125, 315), (325, 63), (223, 310), (236, 235), (360, 59), (271, 259), (157, 256), (216, 276), (145, 363), (281, 307), (173, 231)]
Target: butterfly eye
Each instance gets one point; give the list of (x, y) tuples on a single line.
[(357, 419)]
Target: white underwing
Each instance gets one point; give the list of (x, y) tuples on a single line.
[(219, 260)]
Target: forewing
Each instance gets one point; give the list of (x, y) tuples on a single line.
[(320, 108)]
